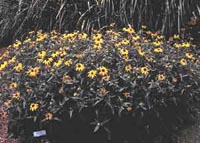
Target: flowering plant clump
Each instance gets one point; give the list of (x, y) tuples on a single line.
[(115, 73)]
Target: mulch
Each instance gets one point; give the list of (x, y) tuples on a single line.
[(3, 132)]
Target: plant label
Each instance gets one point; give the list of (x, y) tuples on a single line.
[(39, 133)]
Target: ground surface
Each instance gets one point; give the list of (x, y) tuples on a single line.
[(191, 134), (3, 132)]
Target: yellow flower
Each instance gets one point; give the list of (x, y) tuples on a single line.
[(83, 36), (13, 85), (97, 36), (157, 43), (106, 78), (7, 102), (117, 45), (12, 60), (97, 46), (5, 63), (189, 56), (129, 30), (31, 32), (144, 70), (48, 116), (123, 51), (54, 55), (176, 45), (98, 41), (70, 36), (125, 42), (16, 95), (115, 35), (33, 106), (140, 52), (112, 24), (5, 54), (68, 62), (41, 37), (186, 45), (3, 66), (149, 59), (63, 53), (103, 71), (159, 37), (40, 60), (135, 38), (128, 68), (144, 27), (47, 62), (125, 57), (161, 77), (17, 44), (18, 67), (79, 67), (50, 59), (54, 32), (33, 72), (176, 36), (183, 62), (27, 40), (158, 50), (42, 54), (58, 63), (92, 74), (124, 29)]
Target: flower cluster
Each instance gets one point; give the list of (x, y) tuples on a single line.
[(123, 70)]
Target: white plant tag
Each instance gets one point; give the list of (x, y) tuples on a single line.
[(39, 133)]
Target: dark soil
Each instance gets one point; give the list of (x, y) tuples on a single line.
[(190, 134)]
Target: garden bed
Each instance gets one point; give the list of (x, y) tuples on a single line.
[(110, 86)]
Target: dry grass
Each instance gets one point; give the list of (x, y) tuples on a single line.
[(19, 17)]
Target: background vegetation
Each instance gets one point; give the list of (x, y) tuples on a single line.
[(17, 17)]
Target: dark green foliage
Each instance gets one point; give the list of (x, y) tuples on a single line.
[(121, 104)]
